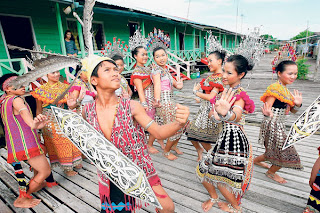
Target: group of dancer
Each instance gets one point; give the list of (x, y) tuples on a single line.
[(102, 96)]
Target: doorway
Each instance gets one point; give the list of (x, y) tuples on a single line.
[(133, 26), (181, 41), (17, 31)]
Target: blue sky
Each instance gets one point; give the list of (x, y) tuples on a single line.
[(281, 18)]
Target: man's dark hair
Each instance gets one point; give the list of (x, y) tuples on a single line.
[(95, 70)]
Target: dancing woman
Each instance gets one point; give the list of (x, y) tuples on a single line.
[(278, 101), (60, 149), (202, 129), (163, 93), (228, 165)]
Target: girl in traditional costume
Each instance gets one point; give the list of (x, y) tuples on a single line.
[(228, 165), (202, 129), (163, 93), (141, 76), (23, 142), (124, 89), (82, 91), (313, 205), (278, 101), (60, 149)]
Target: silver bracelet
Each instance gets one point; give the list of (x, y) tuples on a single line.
[(144, 104), (295, 107), (226, 117), (149, 124), (237, 107), (235, 116), (195, 92), (214, 119)]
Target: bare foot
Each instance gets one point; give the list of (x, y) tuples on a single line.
[(78, 166), (170, 156), (176, 149), (70, 173), (152, 150), (207, 205), (200, 151), (23, 202), (262, 164), (227, 207), (161, 143), (275, 177)]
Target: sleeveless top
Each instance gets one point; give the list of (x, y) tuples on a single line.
[(128, 136)]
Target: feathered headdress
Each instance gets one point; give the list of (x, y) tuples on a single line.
[(157, 38), (213, 44), (115, 48), (286, 52), (251, 47), (137, 40)]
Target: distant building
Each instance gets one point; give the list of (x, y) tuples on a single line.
[(43, 22)]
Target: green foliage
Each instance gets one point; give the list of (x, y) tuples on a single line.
[(303, 69), (302, 34), (268, 37)]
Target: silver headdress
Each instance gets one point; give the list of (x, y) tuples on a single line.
[(117, 47), (137, 40), (213, 44), (251, 47), (157, 38)]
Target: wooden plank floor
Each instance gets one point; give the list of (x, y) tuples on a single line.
[(80, 193)]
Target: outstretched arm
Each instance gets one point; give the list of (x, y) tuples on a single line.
[(160, 132), (19, 107)]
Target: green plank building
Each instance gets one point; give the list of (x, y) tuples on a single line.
[(42, 23)]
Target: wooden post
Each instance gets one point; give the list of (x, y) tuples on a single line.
[(142, 28), (194, 38), (317, 64), (200, 42), (81, 42), (175, 41), (60, 30)]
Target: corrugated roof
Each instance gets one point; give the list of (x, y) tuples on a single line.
[(129, 6)]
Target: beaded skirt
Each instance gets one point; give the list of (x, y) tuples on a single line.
[(167, 112), (229, 162), (273, 136), (202, 128)]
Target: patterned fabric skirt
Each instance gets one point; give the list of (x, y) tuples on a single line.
[(60, 149), (149, 99), (273, 136), (167, 112), (201, 128), (229, 162), (313, 204)]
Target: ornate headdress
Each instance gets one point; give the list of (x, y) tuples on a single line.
[(115, 48), (137, 40), (157, 38), (213, 44), (252, 48), (286, 52)]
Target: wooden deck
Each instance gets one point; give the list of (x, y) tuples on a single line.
[(80, 193)]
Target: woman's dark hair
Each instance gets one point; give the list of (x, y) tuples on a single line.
[(95, 70), (156, 49), (136, 50), (219, 55), (117, 57), (5, 77), (240, 63), (65, 35), (283, 65)]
